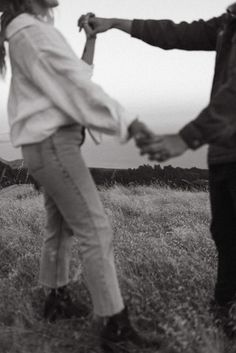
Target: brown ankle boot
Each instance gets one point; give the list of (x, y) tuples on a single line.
[(117, 332)]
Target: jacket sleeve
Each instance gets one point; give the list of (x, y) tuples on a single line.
[(81, 99), (165, 34), (65, 79), (216, 124)]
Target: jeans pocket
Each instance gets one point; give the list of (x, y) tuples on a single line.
[(73, 133), (33, 157)]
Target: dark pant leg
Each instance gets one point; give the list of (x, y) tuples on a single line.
[(223, 228)]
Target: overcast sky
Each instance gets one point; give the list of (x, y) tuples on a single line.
[(166, 89)]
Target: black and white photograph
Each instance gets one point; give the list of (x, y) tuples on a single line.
[(117, 176)]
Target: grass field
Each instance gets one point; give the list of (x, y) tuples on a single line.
[(165, 259)]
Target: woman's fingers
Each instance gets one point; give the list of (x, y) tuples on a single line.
[(84, 19), (80, 22), (89, 31), (84, 23)]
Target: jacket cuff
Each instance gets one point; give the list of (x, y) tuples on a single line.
[(137, 28), (192, 136)]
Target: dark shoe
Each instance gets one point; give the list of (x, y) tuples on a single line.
[(59, 305), (219, 311), (117, 332), (224, 317)]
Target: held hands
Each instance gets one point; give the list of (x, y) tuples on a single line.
[(84, 23), (94, 24), (140, 132), (158, 147), (162, 147)]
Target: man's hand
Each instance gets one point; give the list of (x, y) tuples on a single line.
[(163, 147), (97, 24)]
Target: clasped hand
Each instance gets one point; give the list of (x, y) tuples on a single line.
[(158, 147), (93, 24), (84, 22), (162, 147)]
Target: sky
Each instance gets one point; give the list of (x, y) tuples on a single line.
[(166, 89)]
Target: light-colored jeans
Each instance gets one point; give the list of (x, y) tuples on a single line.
[(73, 207)]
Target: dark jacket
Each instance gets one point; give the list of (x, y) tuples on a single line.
[(216, 124)]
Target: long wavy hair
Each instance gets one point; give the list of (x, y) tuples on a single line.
[(14, 8)]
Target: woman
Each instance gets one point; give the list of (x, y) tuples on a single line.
[(51, 101)]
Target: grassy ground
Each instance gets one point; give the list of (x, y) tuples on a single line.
[(166, 264)]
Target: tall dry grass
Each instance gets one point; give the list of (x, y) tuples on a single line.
[(165, 259)]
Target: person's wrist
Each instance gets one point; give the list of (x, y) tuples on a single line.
[(91, 39), (182, 142)]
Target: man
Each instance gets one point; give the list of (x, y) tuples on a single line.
[(215, 125)]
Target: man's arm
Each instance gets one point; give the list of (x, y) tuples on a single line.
[(166, 34), (216, 124), (198, 35)]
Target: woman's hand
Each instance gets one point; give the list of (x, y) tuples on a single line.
[(89, 49), (96, 24), (139, 131), (84, 23)]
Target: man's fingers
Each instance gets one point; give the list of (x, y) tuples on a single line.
[(153, 148), (158, 138), (89, 17), (87, 28), (161, 148), (142, 142), (158, 157), (147, 138), (142, 136), (90, 14), (84, 19)]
